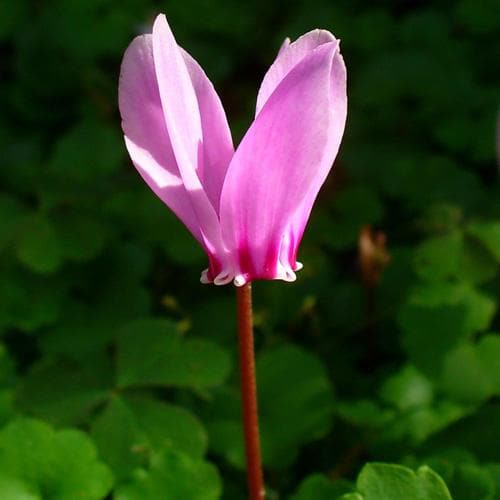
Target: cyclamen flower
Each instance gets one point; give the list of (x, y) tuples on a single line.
[(247, 208)]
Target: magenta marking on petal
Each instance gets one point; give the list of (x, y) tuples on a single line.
[(245, 261), (270, 263), (292, 250), (214, 267)]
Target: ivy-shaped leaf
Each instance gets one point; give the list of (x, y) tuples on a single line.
[(53, 464), (153, 352), (175, 476)]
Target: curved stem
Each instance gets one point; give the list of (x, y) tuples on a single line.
[(249, 393)]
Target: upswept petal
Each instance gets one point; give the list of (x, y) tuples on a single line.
[(218, 146), (280, 165), (289, 55), (183, 122), (146, 135), (338, 106), (161, 92)]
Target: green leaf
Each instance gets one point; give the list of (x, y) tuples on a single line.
[(65, 392), (320, 487), (13, 488), (307, 410), (442, 316), (152, 352), (442, 328), (60, 464), (29, 301), (475, 433), (417, 424), (175, 476), (479, 18), (7, 410), (464, 477), (407, 389), (12, 15), (11, 216), (38, 246), (353, 208), (438, 258), (471, 481), (488, 351), (364, 413), (480, 307), (488, 233), (464, 378), (476, 265), (395, 482), (288, 419), (494, 471), (472, 372), (88, 151), (81, 236), (153, 223), (130, 431)]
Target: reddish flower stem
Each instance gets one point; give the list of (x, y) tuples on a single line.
[(249, 393)]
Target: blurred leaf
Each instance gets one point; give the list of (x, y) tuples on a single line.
[(472, 373), (364, 413), (416, 425), (65, 392), (442, 315), (438, 258), (353, 208), (288, 419), (441, 218), (488, 233), (494, 471), (407, 389), (60, 464), (13, 488), (476, 265), (470, 481), (307, 410), (474, 433), (11, 217), (81, 236), (87, 152), (152, 352), (482, 18), (7, 410), (320, 487), (176, 476), (130, 431), (442, 328), (464, 477), (29, 301), (394, 482), (480, 307), (11, 14), (488, 351), (152, 221), (38, 246)]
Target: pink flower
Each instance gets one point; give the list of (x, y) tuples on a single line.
[(247, 208)]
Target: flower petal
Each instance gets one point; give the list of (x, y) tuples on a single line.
[(217, 142), (162, 90), (146, 135), (182, 118), (289, 55), (281, 163), (338, 103)]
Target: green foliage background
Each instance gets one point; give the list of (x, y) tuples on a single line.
[(118, 369)]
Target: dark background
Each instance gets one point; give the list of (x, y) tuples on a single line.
[(383, 350)]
